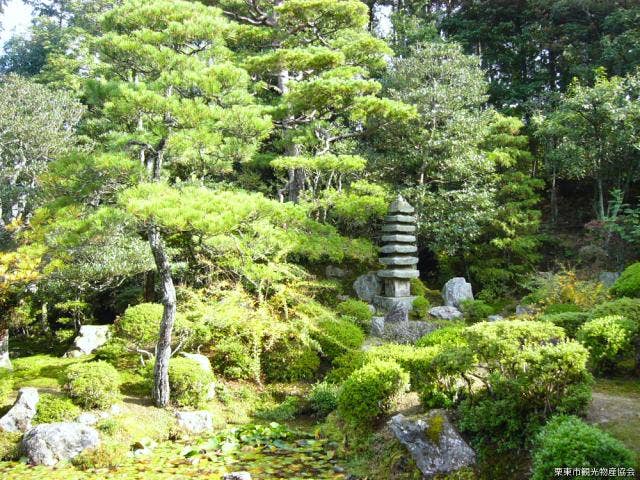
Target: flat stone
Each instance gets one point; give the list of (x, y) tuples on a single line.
[(445, 313), (367, 286), (398, 260), (18, 418), (237, 476), (524, 310), (495, 318), (377, 326), (400, 218), (400, 205), (398, 248), (433, 442), (408, 332), (397, 273), (398, 238), (50, 443), (456, 291), (195, 422), (335, 272), (398, 227)]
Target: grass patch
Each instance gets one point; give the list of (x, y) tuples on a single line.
[(41, 371), (623, 386)]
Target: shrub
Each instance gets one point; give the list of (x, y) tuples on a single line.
[(608, 339), (569, 321), (625, 307), (418, 288), (568, 442), (476, 310), (555, 308), (420, 307), (368, 392), (9, 446), (357, 311), (190, 383), (345, 365), (111, 455), (52, 409), (448, 336), (288, 360), (140, 325), (93, 384), (116, 353), (337, 336), (232, 357), (565, 287), (324, 398), (287, 410), (628, 284)]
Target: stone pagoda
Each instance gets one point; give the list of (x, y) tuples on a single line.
[(398, 256)]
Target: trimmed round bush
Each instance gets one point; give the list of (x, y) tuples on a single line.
[(628, 283), (338, 336), (93, 384), (345, 365), (232, 357), (608, 339), (357, 311), (568, 442), (190, 383), (449, 336), (625, 307), (476, 310), (368, 392), (324, 398), (421, 307), (290, 361), (569, 321), (140, 324), (52, 409)]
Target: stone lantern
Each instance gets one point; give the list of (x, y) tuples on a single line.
[(398, 256)]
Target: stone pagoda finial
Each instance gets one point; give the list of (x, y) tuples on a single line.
[(398, 255)]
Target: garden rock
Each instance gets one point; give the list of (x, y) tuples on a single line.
[(524, 310), (377, 326), (495, 318), (367, 286), (87, 418), (397, 314), (608, 278), (433, 442), (456, 291), (237, 476), (18, 419), (194, 422), (50, 443), (89, 338), (335, 272), (407, 332), (445, 313)]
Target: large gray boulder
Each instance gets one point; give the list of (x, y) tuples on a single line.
[(194, 422), (456, 291), (367, 286), (433, 442), (377, 326), (50, 443), (398, 313), (608, 278), (335, 272), (18, 419), (445, 313), (89, 338), (406, 332)]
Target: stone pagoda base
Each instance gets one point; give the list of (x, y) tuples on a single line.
[(386, 303)]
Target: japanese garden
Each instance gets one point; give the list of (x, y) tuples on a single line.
[(321, 239)]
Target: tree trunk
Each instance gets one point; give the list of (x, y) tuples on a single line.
[(600, 200), (5, 362), (149, 294), (554, 198), (161, 387)]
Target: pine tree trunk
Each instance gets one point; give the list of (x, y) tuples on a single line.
[(554, 198), (161, 387)]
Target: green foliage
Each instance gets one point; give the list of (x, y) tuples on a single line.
[(284, 411), (9, 446), (109, 455), (357, 311), (290, 361), (568, 442), (418, 288), (117, 353), (93, 384), (608, 339), (556, 308), (565, 287), (420, 307), (190, 383), (569, 321), (344, 365), (476, 311), (324, 398), (140, 324), (624, 307), (447, 336), (6, 385), (232, 357), (52, 409), (368, 392), (338, 336), (628, 284)]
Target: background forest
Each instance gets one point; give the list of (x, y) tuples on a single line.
[(212, 176)]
